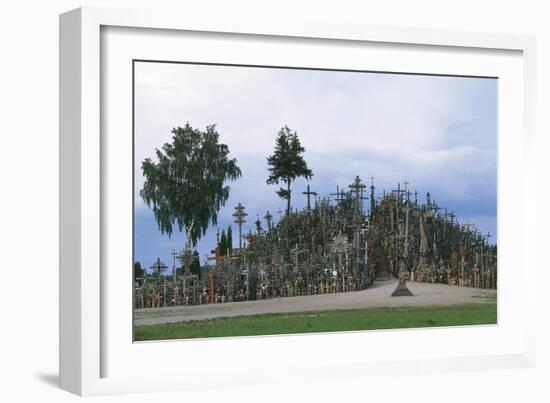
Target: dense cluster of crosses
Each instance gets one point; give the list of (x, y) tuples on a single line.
[(332, 245)]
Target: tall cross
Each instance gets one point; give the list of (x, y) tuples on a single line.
[(158, 267), (372, 200), (240, 219), (174, 254), (269, 218), (398, 192), (415, 197), (309, 193), (339, 195), (258, 225), (186, 258), (358, 187)]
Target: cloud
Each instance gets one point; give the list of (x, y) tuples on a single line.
[(439, 133)]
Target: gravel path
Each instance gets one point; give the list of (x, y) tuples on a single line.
[(377, 295)]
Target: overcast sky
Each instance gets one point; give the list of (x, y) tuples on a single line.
[(438, 133)]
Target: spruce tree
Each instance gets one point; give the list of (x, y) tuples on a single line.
[(223, 244), (229, 240), (287, 163)]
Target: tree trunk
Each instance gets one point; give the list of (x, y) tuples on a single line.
[(288, 200)]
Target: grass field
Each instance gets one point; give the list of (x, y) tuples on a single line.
[(323, 321)]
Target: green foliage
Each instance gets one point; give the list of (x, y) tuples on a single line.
[(286, 164), (138, 271), (223, 244), (187, 186), (195, 267), (229, 239), (324, 321)]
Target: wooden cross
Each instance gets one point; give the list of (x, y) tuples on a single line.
[(309, 193), (158, 267), (240, 216), (339, 195), (174, 254)]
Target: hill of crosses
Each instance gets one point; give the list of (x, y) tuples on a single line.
[(335, 244)]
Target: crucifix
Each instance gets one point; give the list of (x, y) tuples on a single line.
[(309, 193), (240, 219)]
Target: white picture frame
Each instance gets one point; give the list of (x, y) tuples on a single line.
[(93, 349)]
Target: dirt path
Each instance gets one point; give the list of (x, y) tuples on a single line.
[(377, 295)]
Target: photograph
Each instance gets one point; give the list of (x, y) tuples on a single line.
[(277, 200)]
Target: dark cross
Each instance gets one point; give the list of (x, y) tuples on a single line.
[(428, 200), (309, 193), (372, 200), (452, 215), (269, 218), (258, 225), (158, 267), (488, 236), (415, 197), (240, 219), (358, 187)]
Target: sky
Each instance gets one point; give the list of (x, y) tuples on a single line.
[(437, 133)]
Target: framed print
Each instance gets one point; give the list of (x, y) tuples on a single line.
[(313, 200)]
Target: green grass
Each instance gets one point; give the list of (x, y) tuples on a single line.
[(324, 321)]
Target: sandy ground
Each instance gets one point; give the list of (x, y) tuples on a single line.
[(377, 295)]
